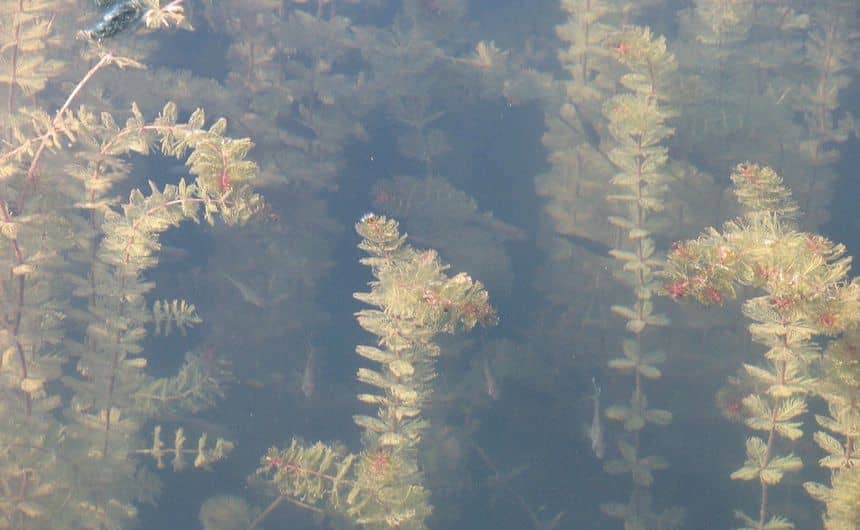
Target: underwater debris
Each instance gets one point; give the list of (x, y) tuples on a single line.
[(492, 388), (116, 18), (595, 432)]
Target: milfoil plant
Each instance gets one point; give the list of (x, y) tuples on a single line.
[(413, 301), (802, 296)]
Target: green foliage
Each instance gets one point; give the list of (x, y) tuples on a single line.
[(448, 220), (413, 302), (845, 421), (637, 123), (577, 181), (760, 189), (774, 523), (763, 416), (652, 66), (841, 367), (806, 295), (156, 16), (635, 360), (204, 456), (828, 55), (841, 439), (110, 375), (638, 467), (198, 385), (586, 31), (79, 256), (29, 46), (760, 465), (306, 83), (373, 489), (636, 415), (309, 473), (721, 24), (764, 249), (388, 491), (842, 499), (177, 313), (410, 287)]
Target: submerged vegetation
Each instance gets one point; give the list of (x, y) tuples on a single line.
[(133, 342), (807, 297), (413, 301)]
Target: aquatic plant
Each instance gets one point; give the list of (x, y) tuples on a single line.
[(839, 386), (806, 296), (829, 53), (638, 126), (449, 220), (289, 80), (112, 397), (413, 301), (577, 180), (77, 396), (81, 410), (755, 68)]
